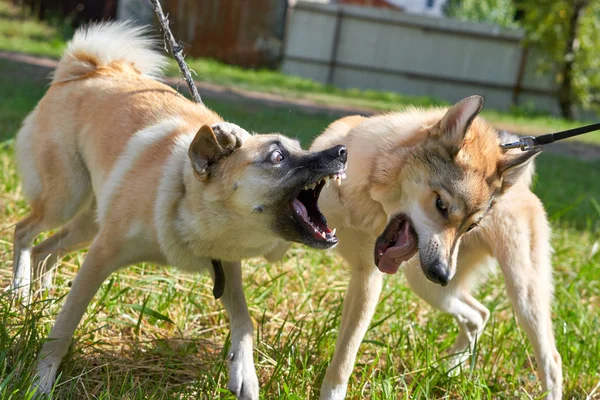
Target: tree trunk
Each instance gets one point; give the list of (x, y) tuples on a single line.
[(565, 91)]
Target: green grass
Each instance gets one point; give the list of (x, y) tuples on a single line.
[(18, 33), (296, 305)]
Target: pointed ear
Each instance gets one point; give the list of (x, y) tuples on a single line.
[(512, 165), (204, 149), (457, 120)]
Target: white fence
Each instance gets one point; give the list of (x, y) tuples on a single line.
[(371, 48)]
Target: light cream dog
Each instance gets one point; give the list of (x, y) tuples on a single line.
[(124, 163), (435, 183)]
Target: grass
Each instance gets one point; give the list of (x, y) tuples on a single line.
[(176, 348), (19, 33)]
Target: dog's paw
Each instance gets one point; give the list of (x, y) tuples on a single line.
[(230, 136), (457, 363), (243, 382), (45, 376), (332, 391)]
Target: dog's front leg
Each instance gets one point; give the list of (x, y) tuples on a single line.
[(359, 306), (243, 381)]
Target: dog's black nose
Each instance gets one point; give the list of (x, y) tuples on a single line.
[(340, 152), (438, 272)]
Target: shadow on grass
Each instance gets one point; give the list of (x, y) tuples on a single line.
[(125, 367)]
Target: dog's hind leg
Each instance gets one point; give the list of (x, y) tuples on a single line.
[(522, 247), (55, 182), (75, 235), (25, 233), (243, 381), (103, 258)]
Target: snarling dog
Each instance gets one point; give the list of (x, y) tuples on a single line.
[(123, 163), (434, 183)]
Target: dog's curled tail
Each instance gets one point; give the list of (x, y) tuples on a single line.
[(98, 45)]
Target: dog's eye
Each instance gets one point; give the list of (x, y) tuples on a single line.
[(470, 228), (276, 157), (439, 203)]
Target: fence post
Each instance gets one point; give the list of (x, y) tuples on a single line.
[(334, 46), (520, 74)]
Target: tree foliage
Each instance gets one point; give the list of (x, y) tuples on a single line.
[(500, 12), (549, 25), (568, 39)]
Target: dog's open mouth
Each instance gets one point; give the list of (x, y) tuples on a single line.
[(306, 209), (397, 243)]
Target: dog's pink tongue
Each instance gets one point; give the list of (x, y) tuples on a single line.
[(300, 209), (403, 250)]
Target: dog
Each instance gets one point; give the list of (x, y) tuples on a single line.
[(431, 191), (125, 165)]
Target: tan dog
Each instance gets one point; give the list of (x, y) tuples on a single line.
[(125, 163), (436, 183)]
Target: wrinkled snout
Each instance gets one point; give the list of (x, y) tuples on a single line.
[(338, 153), (330, 160), (437, 272)]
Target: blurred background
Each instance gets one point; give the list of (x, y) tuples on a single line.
[(534, 56)]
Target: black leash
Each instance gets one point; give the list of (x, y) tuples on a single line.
[(526, 143), (219, 282)]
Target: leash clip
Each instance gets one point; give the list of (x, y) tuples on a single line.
[(525, 143)]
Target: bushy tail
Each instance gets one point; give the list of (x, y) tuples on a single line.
[(100, 44)]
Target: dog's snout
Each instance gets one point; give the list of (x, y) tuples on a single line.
[(340, 153), (343, 153), (438, 272)]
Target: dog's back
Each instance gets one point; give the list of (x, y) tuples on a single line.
[(103, 91)]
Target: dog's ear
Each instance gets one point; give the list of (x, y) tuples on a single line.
[(513, 164), (204, 150), (458, 118)]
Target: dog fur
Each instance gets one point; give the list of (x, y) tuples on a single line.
[(399, 164), (122, 162)]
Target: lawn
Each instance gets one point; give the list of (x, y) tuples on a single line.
[(175, 350)]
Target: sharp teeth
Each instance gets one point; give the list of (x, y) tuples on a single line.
[(323, 235), (343, 175), (333, 232)]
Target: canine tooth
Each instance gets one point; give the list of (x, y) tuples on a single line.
[(323, 235), (333, 232)]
